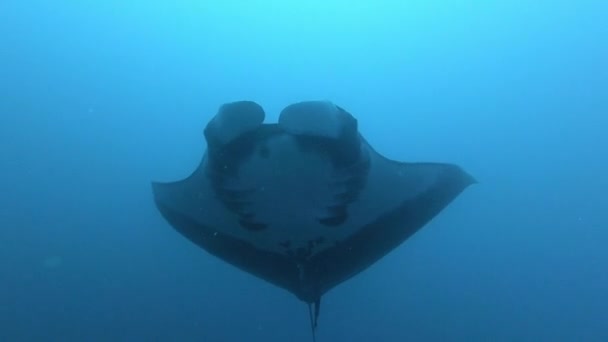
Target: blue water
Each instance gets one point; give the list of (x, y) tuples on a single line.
[(98, 98)]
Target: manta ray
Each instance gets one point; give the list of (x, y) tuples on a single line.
[(305, 203)]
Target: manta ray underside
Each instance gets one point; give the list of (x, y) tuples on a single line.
[(305, 203)]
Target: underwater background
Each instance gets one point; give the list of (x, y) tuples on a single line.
[(99, 98)]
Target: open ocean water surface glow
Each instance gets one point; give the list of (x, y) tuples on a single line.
[(98, 98)]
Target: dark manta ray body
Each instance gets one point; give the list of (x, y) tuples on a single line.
[(305, 203)]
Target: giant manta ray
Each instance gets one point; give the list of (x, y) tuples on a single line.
[(305, 203)]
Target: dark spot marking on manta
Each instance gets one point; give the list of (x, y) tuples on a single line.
[(303, 253)]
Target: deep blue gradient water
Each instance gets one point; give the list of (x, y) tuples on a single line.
[(98, 98)]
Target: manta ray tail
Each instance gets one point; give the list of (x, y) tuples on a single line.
[(314, 318)]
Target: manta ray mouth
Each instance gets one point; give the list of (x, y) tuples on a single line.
[(343, 182)]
